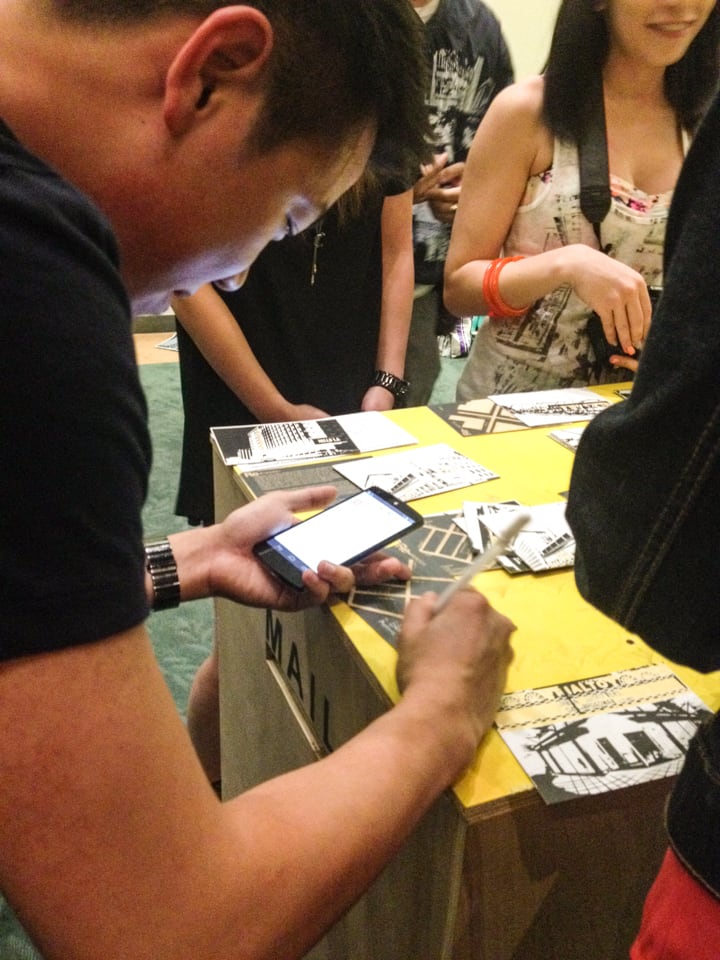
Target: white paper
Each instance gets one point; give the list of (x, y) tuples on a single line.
[(372, 430), (569, 437), (540, 407)]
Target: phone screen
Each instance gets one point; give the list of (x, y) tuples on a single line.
[(341, 534)]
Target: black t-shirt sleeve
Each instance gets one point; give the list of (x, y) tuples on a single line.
[(75, 446)]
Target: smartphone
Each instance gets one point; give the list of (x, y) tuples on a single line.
[(343, 533)]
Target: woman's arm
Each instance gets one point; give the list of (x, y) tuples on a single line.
[(512, 144), (219, 338), (397, 295)]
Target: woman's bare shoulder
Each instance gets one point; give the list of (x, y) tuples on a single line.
[(515, 120), (521, 101)]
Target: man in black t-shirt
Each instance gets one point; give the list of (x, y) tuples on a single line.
[(148, 148)]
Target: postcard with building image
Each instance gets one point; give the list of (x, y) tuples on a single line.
[(603, 733), (256, 444), (545, 542), (416, 473), (538, 408)]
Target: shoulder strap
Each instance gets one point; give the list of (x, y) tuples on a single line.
[(593, 155)]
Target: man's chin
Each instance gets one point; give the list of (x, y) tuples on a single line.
[(150, 304)]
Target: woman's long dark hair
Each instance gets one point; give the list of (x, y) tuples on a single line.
[(579, 49)]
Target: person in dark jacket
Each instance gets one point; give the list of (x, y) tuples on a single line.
[(470, 64), (644, 506)]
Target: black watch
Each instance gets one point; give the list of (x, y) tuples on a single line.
[(160, 564), (396, 385)]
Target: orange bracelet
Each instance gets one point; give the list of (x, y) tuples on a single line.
[(491, 292)]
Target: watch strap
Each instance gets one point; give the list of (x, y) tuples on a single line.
[(160, 564), (396, 385)]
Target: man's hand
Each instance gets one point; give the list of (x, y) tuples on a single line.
[(444, 196), (457, 663), (439, 185), (219, 560), (430, 176)]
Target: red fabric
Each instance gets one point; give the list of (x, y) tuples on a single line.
[(681, 920)]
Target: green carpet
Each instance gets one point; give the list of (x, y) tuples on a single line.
[(181, 638)]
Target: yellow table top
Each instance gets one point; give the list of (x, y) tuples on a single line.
[(560, 637)]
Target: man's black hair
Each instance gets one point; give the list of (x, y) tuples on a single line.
[(335, 66)]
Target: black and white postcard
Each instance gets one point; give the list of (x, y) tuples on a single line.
[(469, 521), (477, 417), (298, 440), (602, 733), (437, 553), (416, 473), (569, 437), (539, 408), (545, 543)]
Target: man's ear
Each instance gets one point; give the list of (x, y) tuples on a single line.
[(232, 44)]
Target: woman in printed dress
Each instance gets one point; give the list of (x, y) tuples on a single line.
[(521, 251)]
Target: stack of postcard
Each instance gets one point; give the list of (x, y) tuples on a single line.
[(545, 543)]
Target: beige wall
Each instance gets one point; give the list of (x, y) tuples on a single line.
[(527, 26)]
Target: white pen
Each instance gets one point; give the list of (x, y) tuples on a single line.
[(486, 559)]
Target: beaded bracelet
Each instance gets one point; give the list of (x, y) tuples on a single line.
[(491, 292)]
